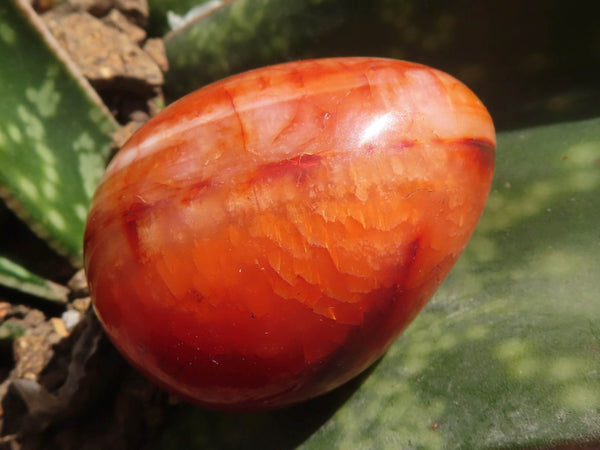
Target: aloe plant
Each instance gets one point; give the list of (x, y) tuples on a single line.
[(506, 354), (54, 132)]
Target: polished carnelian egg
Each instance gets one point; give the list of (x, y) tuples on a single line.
[(264, 239)]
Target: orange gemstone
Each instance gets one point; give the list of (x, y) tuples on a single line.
[(264, 239)]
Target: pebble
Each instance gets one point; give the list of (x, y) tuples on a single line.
[(71, 318), (82, 304), (78, 284), (103, 53), (59, 326)]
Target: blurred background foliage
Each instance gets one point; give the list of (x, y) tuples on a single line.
[(530, 62)]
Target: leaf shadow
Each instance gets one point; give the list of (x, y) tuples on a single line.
[(193, 427)]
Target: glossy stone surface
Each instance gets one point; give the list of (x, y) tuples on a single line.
[(264, 239)]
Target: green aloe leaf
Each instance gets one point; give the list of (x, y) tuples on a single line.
[(17, 277), (54, 132), (506, 355)]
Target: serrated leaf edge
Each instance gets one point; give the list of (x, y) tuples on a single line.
[(11, 201)]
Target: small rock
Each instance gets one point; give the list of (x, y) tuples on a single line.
[(59, 326), (106, 56), (71, 318), (155, 48), (78, 285), (82, 304), (117, 20)]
